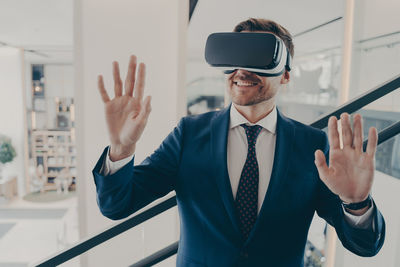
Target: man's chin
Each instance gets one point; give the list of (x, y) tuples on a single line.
[(248, 102), (242, 102)]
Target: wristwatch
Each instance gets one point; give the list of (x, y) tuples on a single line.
[(358, 205)]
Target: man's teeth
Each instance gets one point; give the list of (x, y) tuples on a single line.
[(240, 83)]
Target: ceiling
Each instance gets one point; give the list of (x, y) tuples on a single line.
[(46, 26), (296, 16)]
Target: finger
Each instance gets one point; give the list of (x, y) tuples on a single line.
[(117, 79), (358, 133), (146, 109), (320, 163), (333, 134), (102, 89), (139, 86), (130, 76), (372, 141), (346, 130)]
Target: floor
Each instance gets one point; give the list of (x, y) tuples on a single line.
[(31, 231)]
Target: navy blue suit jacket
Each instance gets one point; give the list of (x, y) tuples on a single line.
[(192, 161)]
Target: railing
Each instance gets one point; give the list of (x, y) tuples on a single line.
[(95, 240), (143, 216), (360, 101), (158, 256)]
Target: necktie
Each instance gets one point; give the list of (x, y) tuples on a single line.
[(247, 194)]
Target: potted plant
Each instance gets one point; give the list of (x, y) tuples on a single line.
[(7, 152)]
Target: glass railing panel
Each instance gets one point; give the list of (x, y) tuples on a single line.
[(385, 192), (134, 244), (138, 242), (387, 155)]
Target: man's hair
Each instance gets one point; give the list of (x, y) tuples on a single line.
[(253, 24)]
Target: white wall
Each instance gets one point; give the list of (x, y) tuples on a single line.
[(12, 109), (154, 30)]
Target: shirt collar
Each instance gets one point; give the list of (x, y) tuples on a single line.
[(268, 122)]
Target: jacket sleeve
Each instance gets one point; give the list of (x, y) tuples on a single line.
[(133, 187), (363, 242)]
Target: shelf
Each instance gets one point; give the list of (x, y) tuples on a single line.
[(60, 154), (52, 177), (61, 165), (44, 151), (38, 111)]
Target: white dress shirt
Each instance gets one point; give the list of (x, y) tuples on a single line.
[(237, 150), (236, 157)]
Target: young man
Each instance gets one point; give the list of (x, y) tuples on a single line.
[(248, 179)]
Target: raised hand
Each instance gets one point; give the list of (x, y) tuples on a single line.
[(126, 115), (351, 170)]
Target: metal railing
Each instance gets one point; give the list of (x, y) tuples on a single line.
[(360, 101), (157, 257), (100, 238)]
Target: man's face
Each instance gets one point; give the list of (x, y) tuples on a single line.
[(246, 88)]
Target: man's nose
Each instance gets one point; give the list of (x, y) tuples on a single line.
[(243, 72)]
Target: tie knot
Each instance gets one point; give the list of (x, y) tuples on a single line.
[(252, 132)]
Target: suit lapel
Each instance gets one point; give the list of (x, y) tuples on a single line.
[(219, 142), (285, 133)]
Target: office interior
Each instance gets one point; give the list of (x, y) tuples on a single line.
[(52, 125)]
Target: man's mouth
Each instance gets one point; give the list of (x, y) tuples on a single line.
[(245, 83)]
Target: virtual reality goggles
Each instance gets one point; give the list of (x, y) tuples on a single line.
[(261, 53)]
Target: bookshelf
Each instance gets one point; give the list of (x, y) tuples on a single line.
[(55, 151)]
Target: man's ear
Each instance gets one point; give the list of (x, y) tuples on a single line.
[(285, 77)]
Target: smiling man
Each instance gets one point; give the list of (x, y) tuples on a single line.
[(248, 180)]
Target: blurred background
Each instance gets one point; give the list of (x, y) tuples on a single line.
[(52, 127)]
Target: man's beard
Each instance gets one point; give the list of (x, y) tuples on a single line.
[(261, 96)]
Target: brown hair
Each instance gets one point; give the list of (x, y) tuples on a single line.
[(253, 24)]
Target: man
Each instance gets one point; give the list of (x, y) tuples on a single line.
[(248, 180)]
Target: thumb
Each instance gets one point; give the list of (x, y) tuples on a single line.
[(320, 163)]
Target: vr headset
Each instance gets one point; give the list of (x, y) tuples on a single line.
[(261, 53)]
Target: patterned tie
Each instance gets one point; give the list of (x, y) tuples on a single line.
[(247, 194)]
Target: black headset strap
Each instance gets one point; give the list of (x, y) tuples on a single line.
[(288, 65)]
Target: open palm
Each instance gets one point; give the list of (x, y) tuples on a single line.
[(126, 115), (351, 170)]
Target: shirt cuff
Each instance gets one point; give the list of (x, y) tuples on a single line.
[(110, 167), (365, 221)]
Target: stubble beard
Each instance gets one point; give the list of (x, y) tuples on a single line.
[(261, 96)]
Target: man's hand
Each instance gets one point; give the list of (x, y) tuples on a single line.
[(126, 115), (351, 170)]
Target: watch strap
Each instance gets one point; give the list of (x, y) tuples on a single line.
[(358, 205)]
